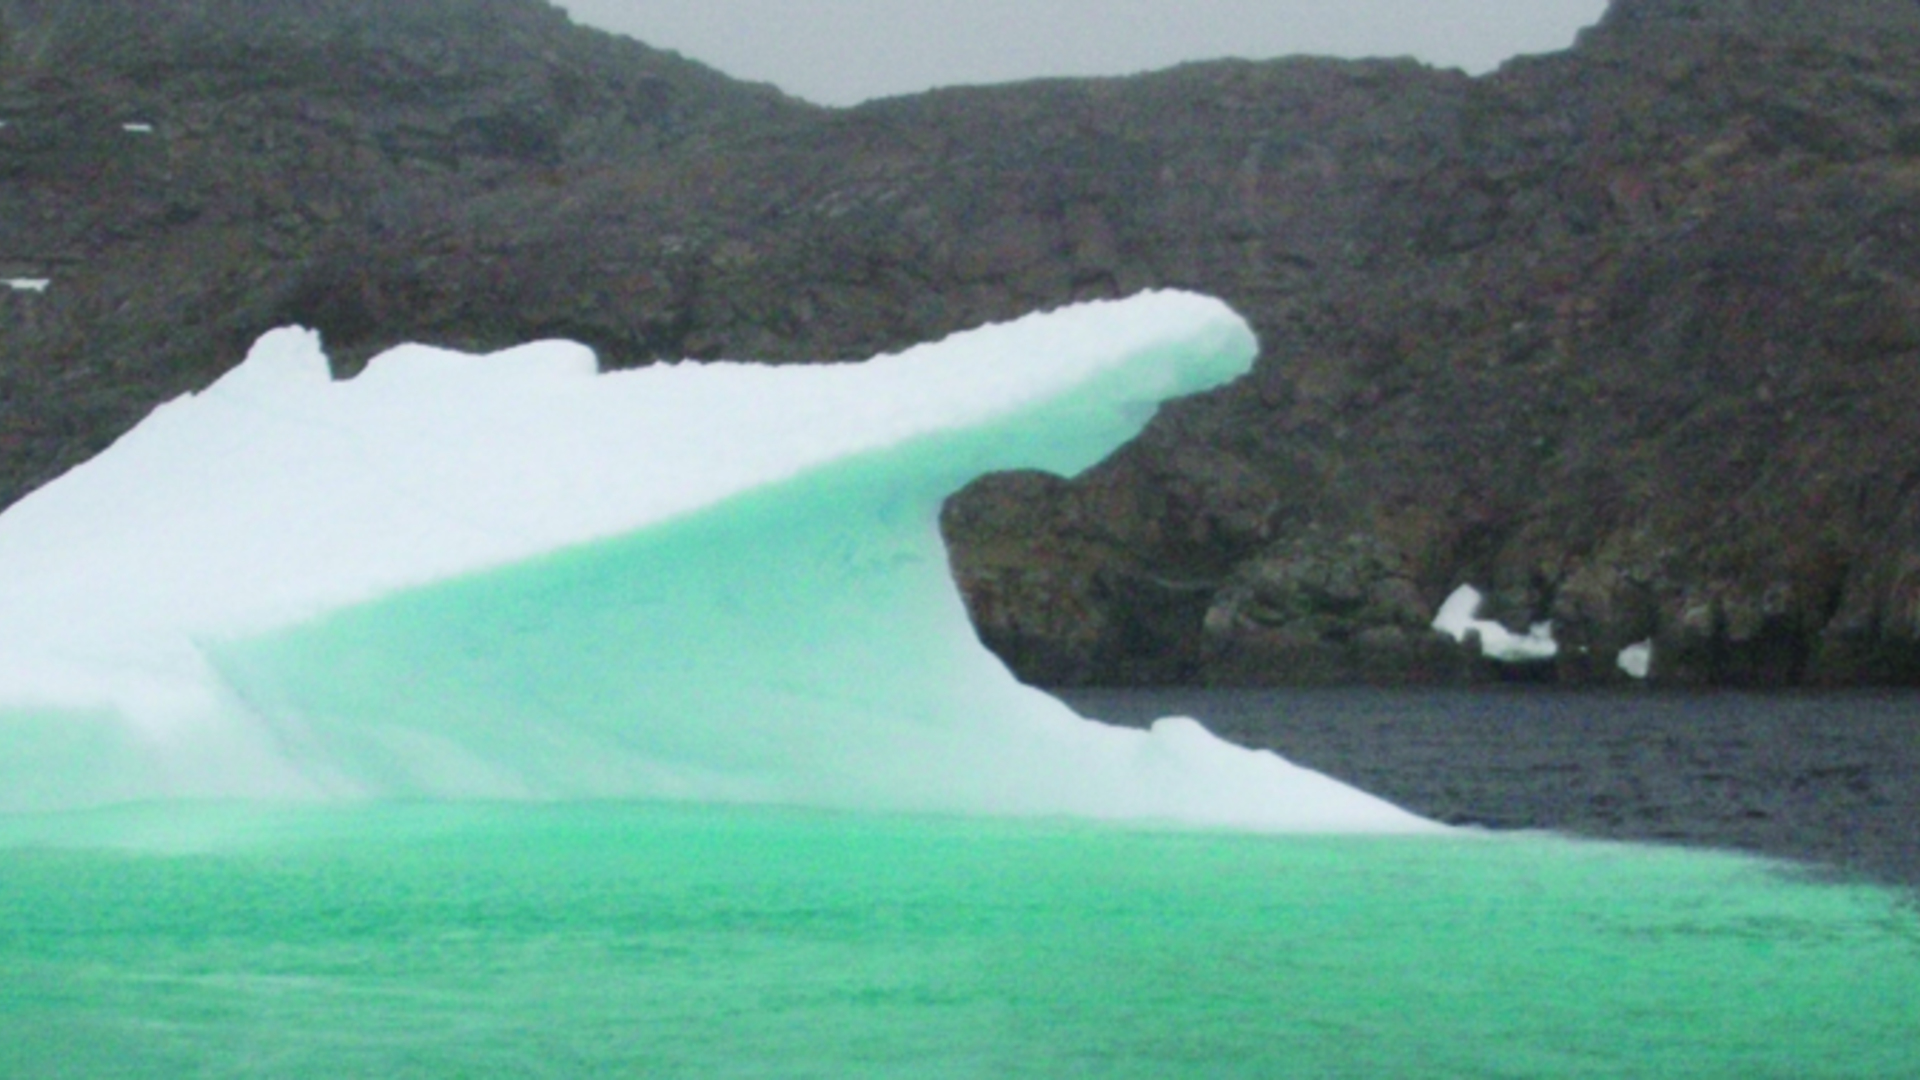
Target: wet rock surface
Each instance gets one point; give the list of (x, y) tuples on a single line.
[(1628, 336), (1831, 780)]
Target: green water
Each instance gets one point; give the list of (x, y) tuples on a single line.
[(653, 940)]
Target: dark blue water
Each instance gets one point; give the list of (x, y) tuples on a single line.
[(1831, 779)]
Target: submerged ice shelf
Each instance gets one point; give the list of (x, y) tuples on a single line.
[(512, 577)]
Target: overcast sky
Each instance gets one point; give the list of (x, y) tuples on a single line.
[(838, 52)]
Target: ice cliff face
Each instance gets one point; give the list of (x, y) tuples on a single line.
[(1625, 337)]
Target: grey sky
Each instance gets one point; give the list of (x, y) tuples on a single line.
[(838, 52)]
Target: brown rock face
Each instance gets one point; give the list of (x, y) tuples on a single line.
[(1041, 592), (1628, 337), (1319, 610)]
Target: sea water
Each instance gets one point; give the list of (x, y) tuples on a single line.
[(444, 940)]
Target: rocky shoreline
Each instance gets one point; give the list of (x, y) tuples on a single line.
[(1829, 780)]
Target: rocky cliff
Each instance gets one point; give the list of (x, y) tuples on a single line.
[(1627, 336)]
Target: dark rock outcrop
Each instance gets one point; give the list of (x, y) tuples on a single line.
[(1626, 336), (1320, 610), (187, 172)]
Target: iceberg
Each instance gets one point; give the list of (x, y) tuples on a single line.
[(516, 577), (1637, 660), (1459, 617)]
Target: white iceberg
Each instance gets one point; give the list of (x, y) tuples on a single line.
[(1459, 616), (1637, 660), (511, 577)]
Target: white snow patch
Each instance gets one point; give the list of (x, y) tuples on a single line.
[(28, 284), (1458, 618), (1637, 660), (137, 129)]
